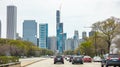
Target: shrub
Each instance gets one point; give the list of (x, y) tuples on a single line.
[(8, 59)]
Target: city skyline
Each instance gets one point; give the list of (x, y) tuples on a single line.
[(73, 18)]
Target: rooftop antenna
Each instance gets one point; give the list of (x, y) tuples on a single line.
[(60, 6)]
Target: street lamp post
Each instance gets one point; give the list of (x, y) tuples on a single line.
[(95, 44)]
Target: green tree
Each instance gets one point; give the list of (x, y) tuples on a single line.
[(86, 48), (69, 52)]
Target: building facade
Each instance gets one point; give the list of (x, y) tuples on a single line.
[(64, 38), (43, 35), (30, 31), (69, 44), (76, 39), (91, 33), (84, 35), (11, 22), (52, 43)]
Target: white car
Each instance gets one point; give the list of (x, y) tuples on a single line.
[(97, 59)]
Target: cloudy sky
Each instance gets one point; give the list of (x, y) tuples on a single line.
[(75, 14)]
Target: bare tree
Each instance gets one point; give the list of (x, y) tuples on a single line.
[(108, 29)]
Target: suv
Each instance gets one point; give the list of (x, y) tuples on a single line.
[(77, 59), (111, 60), (58, 59)]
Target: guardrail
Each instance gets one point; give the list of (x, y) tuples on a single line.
[(14, 64)]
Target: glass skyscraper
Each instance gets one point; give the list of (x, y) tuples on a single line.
[(30, 31), (11, 22), (59, 31), (43, 35)]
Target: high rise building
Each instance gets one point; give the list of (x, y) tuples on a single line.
[(0, 29), (43, 35), (69, 44), (91, 33), (59, 31), (84, 35), (52, 43), (11, 22), (76, 39), (76, 34), (30, 31)]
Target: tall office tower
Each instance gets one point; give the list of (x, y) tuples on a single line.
[(91, 33), (30, 31), (84, 35), (11, 22), (59, 31), (76, 34), (76, 39), (43, 35), (69, 44), (0, 29), (58, 16), (52, 43)]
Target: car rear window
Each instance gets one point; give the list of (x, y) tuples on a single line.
[(59, 56), (114, 55)]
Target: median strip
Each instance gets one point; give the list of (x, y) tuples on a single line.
[(32, 62)]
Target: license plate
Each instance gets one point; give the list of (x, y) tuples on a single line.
[(58, 59), (114, 60), (77, 59)]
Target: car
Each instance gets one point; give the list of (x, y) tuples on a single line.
[(77, 59), (71, 57), (87, 59), (111, 60), (58, 59), (97, 59)]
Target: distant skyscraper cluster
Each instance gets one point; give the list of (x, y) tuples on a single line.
[(30, 33), (57, 44)]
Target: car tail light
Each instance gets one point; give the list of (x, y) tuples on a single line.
[(108, 58), (119, 58)]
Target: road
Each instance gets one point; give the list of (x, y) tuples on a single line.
[(49, 63), (28, 61)]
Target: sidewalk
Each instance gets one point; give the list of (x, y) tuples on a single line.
[(28, 61)]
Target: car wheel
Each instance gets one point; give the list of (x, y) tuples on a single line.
[(102, 65), (106, 65), (63, 62), (54, 62), (72, 62), (114, 66), (81, 62)]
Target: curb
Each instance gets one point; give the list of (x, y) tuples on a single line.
[(32, 63)]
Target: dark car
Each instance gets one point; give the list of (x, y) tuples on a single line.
[(71, 57), (58, 59), (111, 60), (77, 59)]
